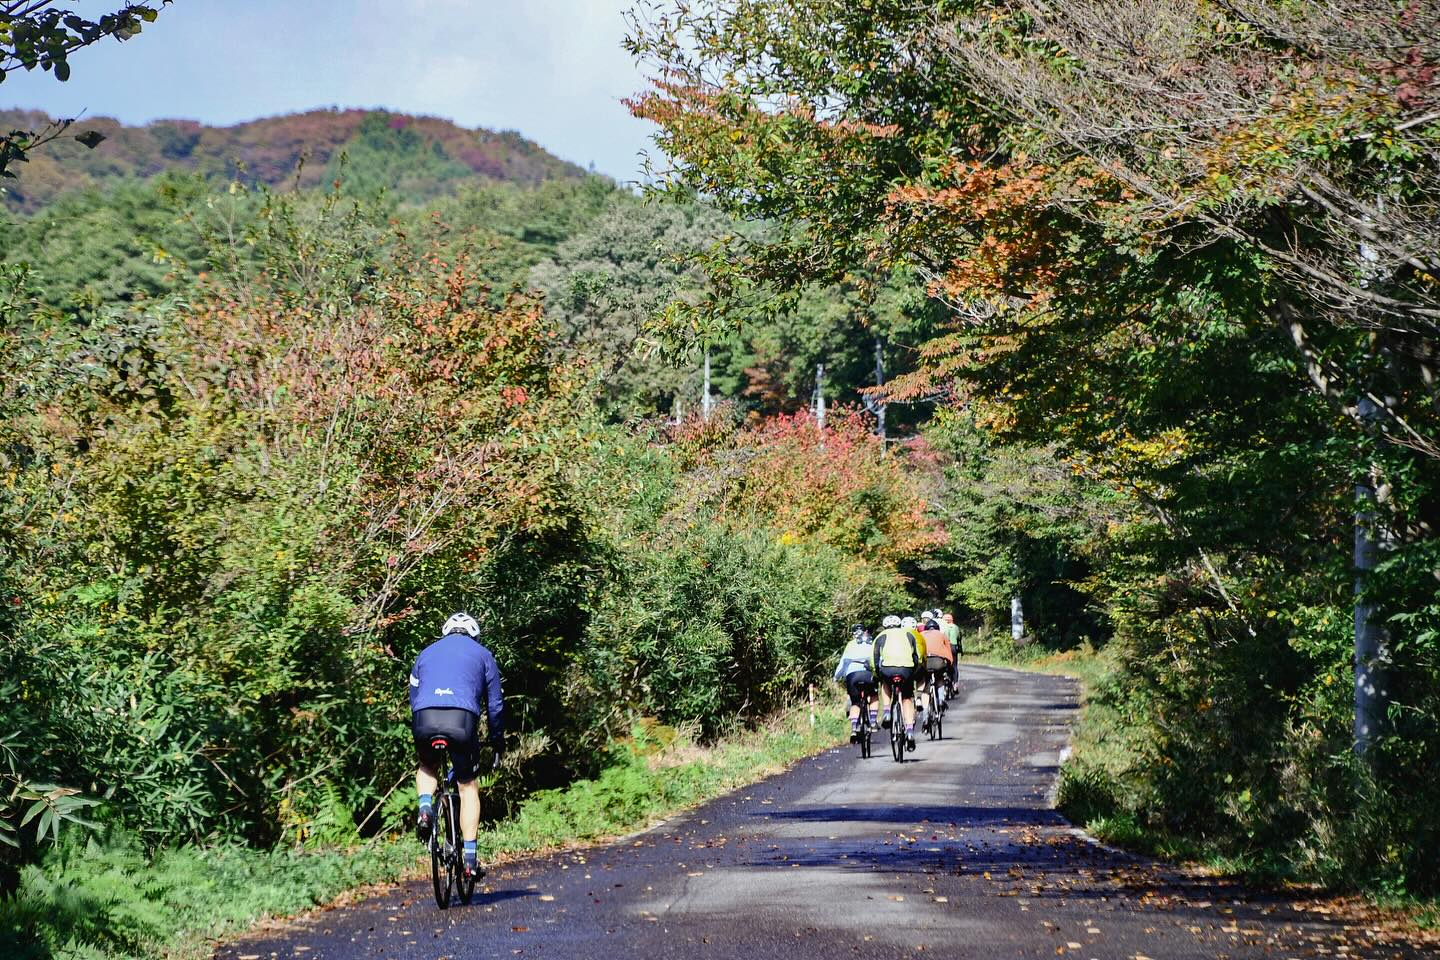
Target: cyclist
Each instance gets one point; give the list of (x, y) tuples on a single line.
[(897, 654), (939, 658), (947, 624), (454, 680), (854, 670)]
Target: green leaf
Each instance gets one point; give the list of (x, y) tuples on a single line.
[(91, 138)]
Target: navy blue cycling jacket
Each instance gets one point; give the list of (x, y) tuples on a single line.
[(459, 673)]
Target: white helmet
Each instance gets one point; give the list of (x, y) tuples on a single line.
[(908, 623), (931, 615), (461, 623), (889, 622)]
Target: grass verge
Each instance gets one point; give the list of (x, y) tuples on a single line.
[(102, 898)]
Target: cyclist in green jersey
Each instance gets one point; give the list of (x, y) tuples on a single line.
[(898, 655)]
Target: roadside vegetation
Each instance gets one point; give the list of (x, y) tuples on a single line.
[(1125, 310), (105, 895), (256, 446), (1186, 257)]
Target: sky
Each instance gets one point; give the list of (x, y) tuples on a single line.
[(552, 69)]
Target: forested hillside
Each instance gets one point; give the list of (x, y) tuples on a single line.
[(417, 158)]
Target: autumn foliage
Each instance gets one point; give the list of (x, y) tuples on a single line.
[(232, 518), (1186, 254)]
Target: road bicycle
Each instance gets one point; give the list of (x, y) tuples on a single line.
[(935, 703), (866, 730), (897, 722), (447, 847)]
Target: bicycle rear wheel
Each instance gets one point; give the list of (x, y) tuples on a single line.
[(935, 708), (464, 882), (897, 728), (442, 865)]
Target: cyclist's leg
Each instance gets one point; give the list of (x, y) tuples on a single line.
[(853, 690), (469, 809), (885, 703), (852, 687), (466, 759), (907, 702), (426, 782)]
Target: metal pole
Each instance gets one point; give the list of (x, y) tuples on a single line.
[(820, 396), (706, 402), (1372, 641), (880, 382)]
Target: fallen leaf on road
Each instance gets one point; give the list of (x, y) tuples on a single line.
[(519, 929), (546, 898), (942, 899)]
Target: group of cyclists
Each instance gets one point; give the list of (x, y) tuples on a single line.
[(455, 681), (906, 653)]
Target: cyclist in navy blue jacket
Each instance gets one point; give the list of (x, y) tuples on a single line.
[(454, 680)]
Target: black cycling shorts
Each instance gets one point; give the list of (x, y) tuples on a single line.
[(458, 728), (860, 685), (906, 676)]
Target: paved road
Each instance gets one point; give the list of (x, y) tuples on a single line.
[(958, 854)]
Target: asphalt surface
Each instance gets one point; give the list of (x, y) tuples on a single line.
[(956, 854)]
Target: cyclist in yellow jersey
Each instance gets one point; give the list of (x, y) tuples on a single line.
[(898, 655)]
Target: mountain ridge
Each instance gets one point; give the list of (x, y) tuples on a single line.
[(414, 155)]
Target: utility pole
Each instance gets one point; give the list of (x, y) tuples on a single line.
[(707, 403), (874, 404), (820, 396), (1372, 640), (880, 382)]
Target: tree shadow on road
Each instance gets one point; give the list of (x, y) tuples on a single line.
[(1032, 857), (957, 817)]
